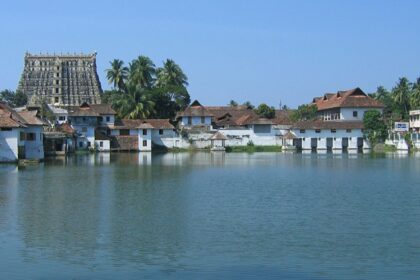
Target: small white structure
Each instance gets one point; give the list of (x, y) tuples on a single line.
[(218, 142), (21, 135), (415, 120)]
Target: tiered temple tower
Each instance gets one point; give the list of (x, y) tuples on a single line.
[(62, 80)]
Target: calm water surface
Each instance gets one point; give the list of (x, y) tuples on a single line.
[(212, 216)]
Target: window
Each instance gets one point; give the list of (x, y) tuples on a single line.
[(56, 91), (81, 144), (100, 119), (317, 130), (84, 129), (58, 75), (57, 82), (6, 129), (160, 131), (61, 118), (101, 144), (56, 100), (124, 132), (144, 131), (203, 120), (302, 131), (333, 130), (348, 130), (108, 119), (22, 136), (88, 144), (355, 114), (30, 136), (189, 120), (83, 119), (144, 143)]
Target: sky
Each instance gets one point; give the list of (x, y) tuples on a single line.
[(260, 51)]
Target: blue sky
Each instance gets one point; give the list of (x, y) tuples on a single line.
[(261, 51)]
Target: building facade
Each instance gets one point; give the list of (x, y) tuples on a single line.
[(62, 80)]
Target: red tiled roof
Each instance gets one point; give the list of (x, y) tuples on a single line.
[(66, 128), (31, 118), (354, 98), (195, 110), (142, 124), (10, 118), (91, 110), (160, 123), (218, 136)]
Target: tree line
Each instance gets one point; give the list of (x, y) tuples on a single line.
[(142, 90)]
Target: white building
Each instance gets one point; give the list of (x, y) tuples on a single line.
[(329, 135), (141, 135), (21, 135), (415, 120), (348, 105), (85, 119), (195, 115)]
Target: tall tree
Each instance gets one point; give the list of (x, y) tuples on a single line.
[(14, 99), (415, 95), (135, 104), (117, 74), (142, 72), (401, 96), (171, 74)]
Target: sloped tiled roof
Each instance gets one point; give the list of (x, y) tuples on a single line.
[(91, 110), (195, 110), (218, 136), (160, 123), (142, 124), (353, 98), (9, 118)]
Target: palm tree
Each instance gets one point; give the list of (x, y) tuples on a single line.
[(136, 104), (171, 75), (142, 72), (117, 74), (401, 94), (415, 95), (381, 93)]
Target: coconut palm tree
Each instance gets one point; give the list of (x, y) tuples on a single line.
[(117, 74), (136, 104), (142, 72), (171, 75), (401, 95), (415, 95)]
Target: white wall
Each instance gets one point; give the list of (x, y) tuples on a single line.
[(9, 141), (347, 113), (34, 149), (195, 121), (105, 122), (106, 145), (85, 137), (166, 133), (337, 138), (147, 138)]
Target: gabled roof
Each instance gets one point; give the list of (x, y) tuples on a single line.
[(66, 128), (218, 136), (142, 124), (319, 124), (353, 98), (31, 117), (195, 110), (9, 118), (91, 110)]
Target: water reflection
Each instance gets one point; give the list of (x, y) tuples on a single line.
[(329, 215)]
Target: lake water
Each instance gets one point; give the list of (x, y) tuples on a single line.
[(212, 216)]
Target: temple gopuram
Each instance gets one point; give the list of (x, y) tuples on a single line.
[(62, 80)]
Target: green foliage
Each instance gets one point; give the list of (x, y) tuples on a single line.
[(304, 112), (13, 99), (248, 105), (266, 111), (374, 126), (233, 103), (143, 91), (252, 149)]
